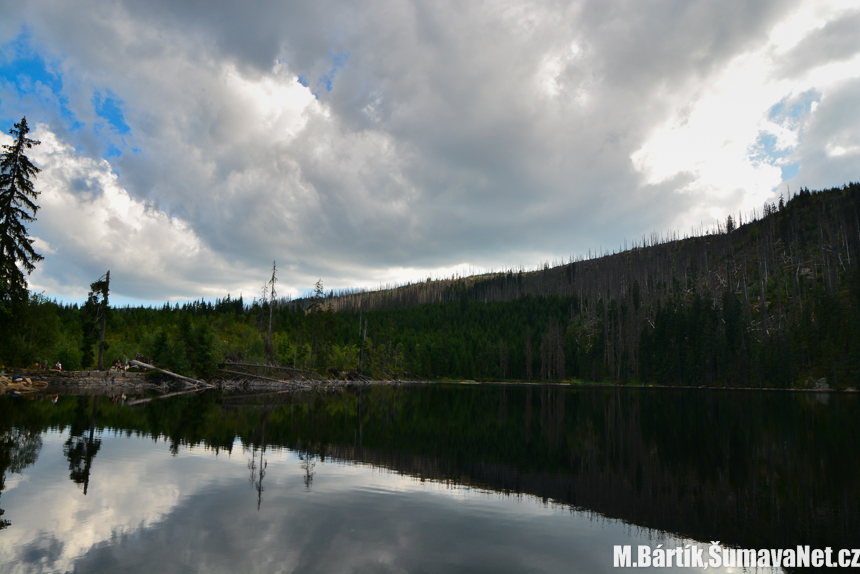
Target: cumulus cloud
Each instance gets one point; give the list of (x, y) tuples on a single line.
[(408, 138), (87, 223)]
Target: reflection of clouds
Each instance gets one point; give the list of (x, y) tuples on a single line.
[(353, 530), (148, 511), (129, 489), (13, 480)]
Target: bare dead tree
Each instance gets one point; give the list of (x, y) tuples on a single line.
[(272, 295)]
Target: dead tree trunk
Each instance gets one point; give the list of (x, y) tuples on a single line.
[(186, 380)]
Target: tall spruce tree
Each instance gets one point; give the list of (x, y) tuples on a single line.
[(17, 208)]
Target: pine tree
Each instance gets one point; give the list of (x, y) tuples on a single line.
[(94, 318), (17, 207)]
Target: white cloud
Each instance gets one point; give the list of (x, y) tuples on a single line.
[(87, 224), (838, 151), (429, 134), (41, 246), (712, 136)]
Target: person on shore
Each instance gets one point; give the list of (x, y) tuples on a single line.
[(59, 366)]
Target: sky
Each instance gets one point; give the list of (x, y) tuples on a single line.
[(187, 145)]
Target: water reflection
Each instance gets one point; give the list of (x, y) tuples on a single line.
[(82, 446), (307, 466), (752, 469), (19, 448), (258, 469)]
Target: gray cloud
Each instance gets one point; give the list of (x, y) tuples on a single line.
[(492, 134), (831, 150), (838, 40), (357, 528)]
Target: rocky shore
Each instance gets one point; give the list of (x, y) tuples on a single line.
[(97, 381), (114, 381)]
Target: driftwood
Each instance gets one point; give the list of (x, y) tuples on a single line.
[(295, 384), (20, 385), (280, 368), (351, 376), (186, 380)]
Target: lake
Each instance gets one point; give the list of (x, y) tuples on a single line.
[(424, 478)]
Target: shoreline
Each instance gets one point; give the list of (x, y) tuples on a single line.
[(110, 380)]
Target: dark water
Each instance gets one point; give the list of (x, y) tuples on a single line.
[(421, 479)]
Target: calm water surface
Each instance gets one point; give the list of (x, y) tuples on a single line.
[(421, 479)]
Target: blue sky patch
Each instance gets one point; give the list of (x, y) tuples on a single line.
[(38, 90), (111, 152), (787, 113), (765, 151), (27, 72), (108, 107), (789, 171), (794, 107), (338, 62)]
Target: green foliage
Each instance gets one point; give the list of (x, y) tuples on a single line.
[(202, 350), (285, 348), (29, 331), (67, 350)]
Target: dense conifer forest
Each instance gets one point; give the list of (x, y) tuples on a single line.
[(769, 302)]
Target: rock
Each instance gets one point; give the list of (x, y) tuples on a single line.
[(821, 384)]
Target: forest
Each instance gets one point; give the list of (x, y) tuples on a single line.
[(772, 301)]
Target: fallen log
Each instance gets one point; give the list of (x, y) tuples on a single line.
[(276, 367), (186, 380), (300, 385)]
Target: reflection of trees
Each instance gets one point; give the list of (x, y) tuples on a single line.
[(258, 470), (19, 448), (755, 469), (82, 446), (307, 465), (552, 400)]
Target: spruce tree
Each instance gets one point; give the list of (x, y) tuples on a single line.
[(17, 208)]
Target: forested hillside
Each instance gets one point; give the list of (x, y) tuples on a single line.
[(771, 302)]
